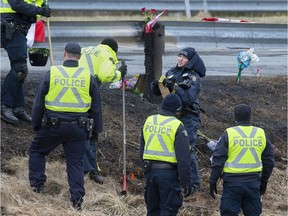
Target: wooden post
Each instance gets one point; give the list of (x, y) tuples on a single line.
[(154, 47)]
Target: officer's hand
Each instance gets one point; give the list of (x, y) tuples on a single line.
[(168, 84), (123, 70), (94, 138), (213, 190), (187, 189), (46, 12), (263, 188)]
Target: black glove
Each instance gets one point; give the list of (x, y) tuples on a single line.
[(213, 188), (168, 84), (155, 88), (263, 187), (94, 138), (187, 189), (123, 70), (46, 12)]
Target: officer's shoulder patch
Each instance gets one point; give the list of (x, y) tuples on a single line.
[(185, 133)]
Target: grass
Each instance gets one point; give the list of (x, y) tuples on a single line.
[(18, 199)]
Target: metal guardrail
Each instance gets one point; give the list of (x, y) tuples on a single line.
[(176, 33), (171, 5)]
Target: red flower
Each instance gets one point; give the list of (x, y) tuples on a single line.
[(152, 11), (143, 9)]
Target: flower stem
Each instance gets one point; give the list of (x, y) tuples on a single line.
[(239, 74)]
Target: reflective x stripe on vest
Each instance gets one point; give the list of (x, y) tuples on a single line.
[(246, 144), (6, 8), (101, 61), (159, 135), (69, 90)]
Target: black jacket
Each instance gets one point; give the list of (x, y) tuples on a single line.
[(25, 13), (39, 110), (182, 151), (220, 155), (189, 94)]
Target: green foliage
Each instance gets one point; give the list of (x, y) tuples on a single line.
[(44, 51)]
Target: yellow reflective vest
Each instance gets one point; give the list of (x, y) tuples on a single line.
[(101, 61), (246, 144), (159, 135), (68, 89), (6, 8)]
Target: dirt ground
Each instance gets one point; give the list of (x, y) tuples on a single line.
[(266, 95)]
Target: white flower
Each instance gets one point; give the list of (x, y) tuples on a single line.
[(254, 58)]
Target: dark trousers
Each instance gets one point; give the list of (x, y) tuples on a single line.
[(90, 158), (192, 123), (163, 193), (241, 195), (47, 139), (12, 94)]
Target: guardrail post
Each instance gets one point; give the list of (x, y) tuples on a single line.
[(187, 8), (154, 46)]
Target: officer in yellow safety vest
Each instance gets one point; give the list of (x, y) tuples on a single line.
[(66, 110), (16, 19), (101, 60), (244, 159), (165, 157)]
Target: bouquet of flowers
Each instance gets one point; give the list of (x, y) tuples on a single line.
[(244, 59), (149, 20)]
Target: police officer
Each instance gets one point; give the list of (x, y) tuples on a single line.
[(16, 19), (66, 106), (244, 159), (101, 61), (184, 80), (165, 156)]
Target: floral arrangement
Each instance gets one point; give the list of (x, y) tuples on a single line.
[(244, 59), (147, 17), (150, 20)]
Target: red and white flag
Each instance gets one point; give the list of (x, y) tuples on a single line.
[(36, 33), (216, 19)]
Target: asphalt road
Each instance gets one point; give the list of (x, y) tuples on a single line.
[(218, 61)]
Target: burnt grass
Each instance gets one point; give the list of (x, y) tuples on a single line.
[(266, 95)]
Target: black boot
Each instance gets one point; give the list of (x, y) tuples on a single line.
[(77, 206), (96, 177), (39, 189), (20, 113), (7, 115)]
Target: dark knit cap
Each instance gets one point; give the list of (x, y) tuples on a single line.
[(73, 48), (242, 112), (188, 52), (172, 103), (111, 43)]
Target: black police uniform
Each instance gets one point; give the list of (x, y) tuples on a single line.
[(12, 95), (240, 190), (163, 187), (189, 87), (67, 132)]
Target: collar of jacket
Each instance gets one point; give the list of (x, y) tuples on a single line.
[(70, 63)]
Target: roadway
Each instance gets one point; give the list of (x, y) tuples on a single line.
[(219, 61)]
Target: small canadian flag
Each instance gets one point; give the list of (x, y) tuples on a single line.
[(36, 33), (216, 19)]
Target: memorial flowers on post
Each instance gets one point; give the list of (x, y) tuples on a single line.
[(244, 58), (150, 20)]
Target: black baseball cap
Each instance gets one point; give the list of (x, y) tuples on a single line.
[(73, 48)]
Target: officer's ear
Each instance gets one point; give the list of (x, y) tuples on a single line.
[(78, 57)]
